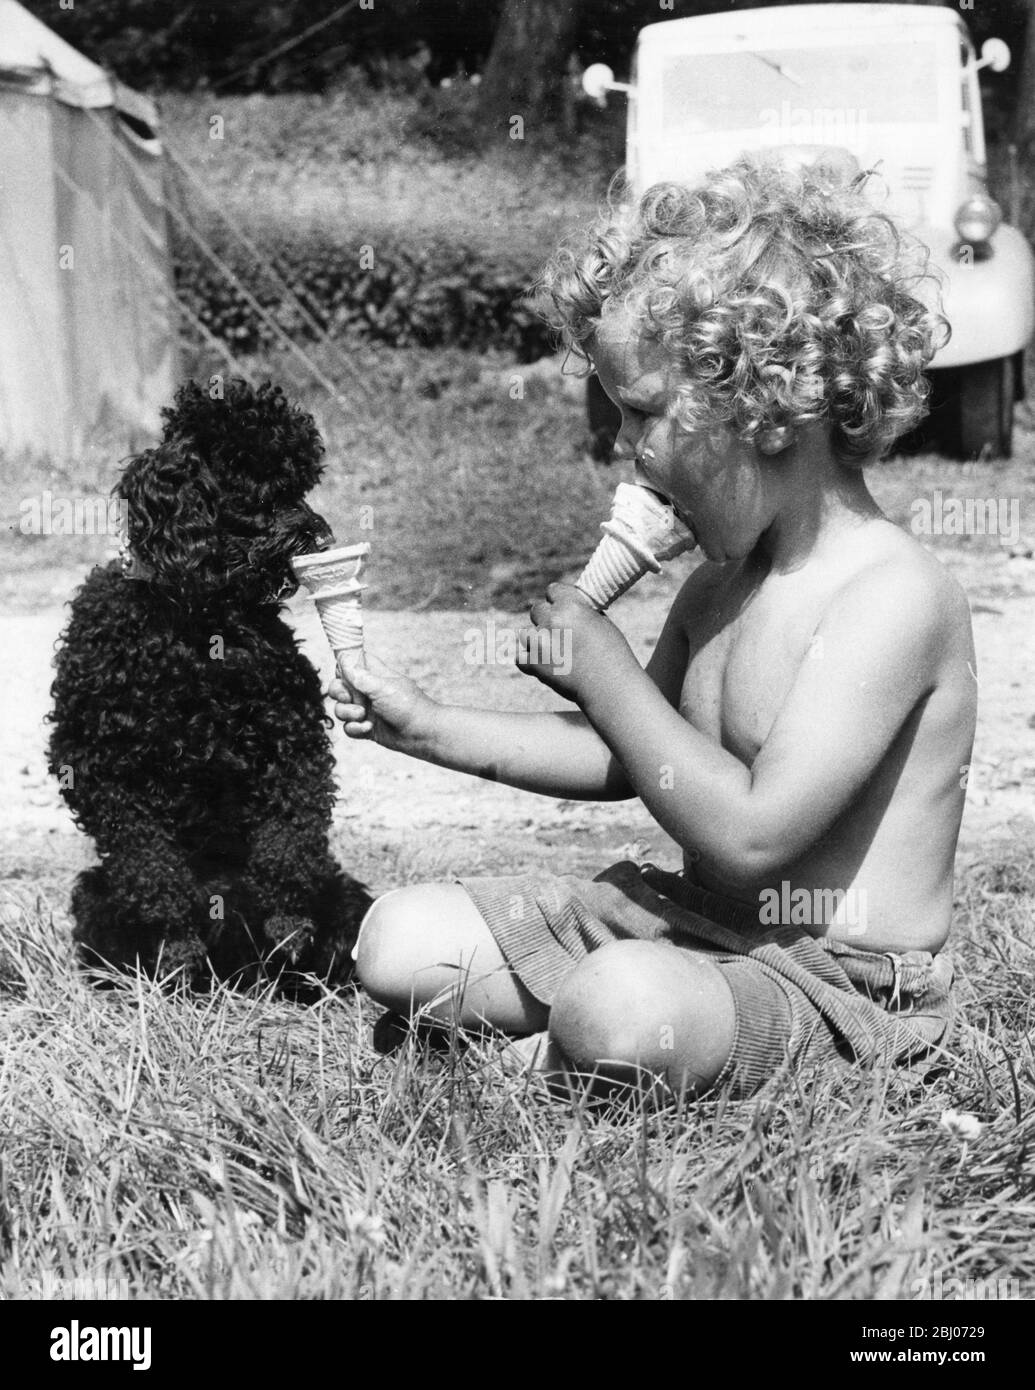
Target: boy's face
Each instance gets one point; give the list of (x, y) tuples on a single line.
[(716, 484)]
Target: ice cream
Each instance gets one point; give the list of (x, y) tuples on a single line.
[(643, 530), (332, 578)]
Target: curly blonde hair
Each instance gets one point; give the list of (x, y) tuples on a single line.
[(782, 292)]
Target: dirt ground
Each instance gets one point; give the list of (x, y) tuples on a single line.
[(400, 820)]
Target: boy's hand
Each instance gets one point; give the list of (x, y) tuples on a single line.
[(391, 710), (572, 648)]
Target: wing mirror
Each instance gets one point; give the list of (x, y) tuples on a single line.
[(598, 80), (995, 54)]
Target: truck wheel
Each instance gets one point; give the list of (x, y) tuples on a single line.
[(604, 417), (987, 391)]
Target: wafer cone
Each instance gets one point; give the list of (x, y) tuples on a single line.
[(332, 578), (614, 567), (642, 531), (341, 613)]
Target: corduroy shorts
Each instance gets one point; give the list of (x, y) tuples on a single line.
[(799, 999)]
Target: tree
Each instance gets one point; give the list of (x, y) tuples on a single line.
[(526, 70), (1024, 111)]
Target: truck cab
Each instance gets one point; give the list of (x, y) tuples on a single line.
[(897, 87)]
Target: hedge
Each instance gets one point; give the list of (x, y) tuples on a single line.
[(377, 285)]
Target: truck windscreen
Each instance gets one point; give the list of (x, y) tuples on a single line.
[(876, 84)]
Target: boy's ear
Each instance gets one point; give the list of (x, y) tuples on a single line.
[(775, 439)]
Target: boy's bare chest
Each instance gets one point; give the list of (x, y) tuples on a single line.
[(744, 657)]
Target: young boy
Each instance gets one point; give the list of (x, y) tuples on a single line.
[(801, 726)]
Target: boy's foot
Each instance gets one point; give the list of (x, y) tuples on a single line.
[(521, 1055), (537, 1057)]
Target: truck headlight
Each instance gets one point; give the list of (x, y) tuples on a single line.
[(978, 218)]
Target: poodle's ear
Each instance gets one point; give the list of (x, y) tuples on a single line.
[(171, 503)]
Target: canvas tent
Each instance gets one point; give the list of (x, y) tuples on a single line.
[(87, 328)]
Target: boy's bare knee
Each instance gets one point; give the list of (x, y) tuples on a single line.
[(602, 1012), (388, 936), (428, 947), (639, 1006)]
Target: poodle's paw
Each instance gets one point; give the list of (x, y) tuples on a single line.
[(181, 958), (288, 935)]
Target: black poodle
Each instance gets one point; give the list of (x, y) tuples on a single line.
[(189, 734)]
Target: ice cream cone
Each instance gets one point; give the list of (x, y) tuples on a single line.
[(649, 521), (680, 538), (332, 578), (327, 568), (614, 567), (642, 531), (341, 613)]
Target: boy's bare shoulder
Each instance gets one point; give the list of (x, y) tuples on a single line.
[(881, 574), (891, 577)]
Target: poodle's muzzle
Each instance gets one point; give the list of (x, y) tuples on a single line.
[(313, 532)]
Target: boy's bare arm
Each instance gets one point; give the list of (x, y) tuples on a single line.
[(558, 754), (882, 641)]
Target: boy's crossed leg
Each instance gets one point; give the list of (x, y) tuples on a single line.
[(629, 1013), (428, 948)]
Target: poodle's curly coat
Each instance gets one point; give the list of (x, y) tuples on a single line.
[(189, 734)]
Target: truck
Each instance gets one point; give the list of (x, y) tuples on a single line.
[(896, 86)]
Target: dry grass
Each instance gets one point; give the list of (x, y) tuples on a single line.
[(239, 1147)]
